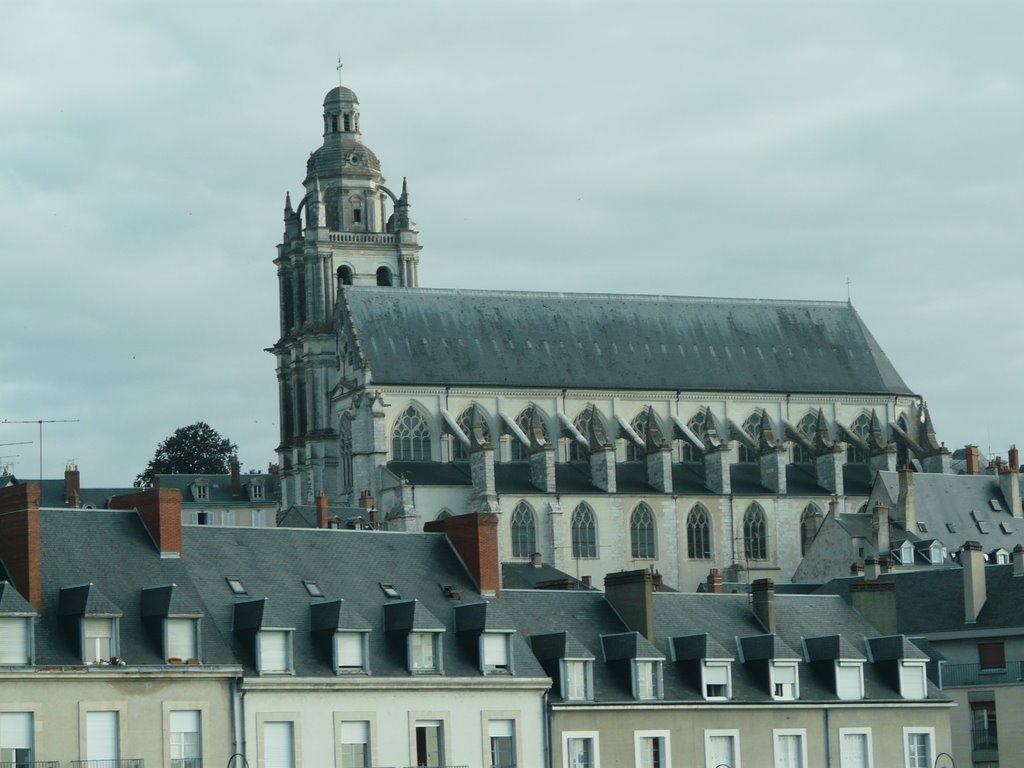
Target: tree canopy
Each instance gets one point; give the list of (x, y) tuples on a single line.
[(195, 449)]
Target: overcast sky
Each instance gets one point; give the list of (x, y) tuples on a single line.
[(768, 149)]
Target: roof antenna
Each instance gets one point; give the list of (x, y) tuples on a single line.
[(40, 422), (847, 289), (340, 65)]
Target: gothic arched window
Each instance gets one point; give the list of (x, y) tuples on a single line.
[(639, 424), (698, 534), (810, 519), (584, 532), (755, 534), (861, 427), (807, 426), (345, 454), (698, 425), (524, 421), (642, 534), (524, 531), (752, 426), (460, 451), (410, 437), (582, 422)]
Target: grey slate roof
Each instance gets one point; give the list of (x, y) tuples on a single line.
[(527, 576), (12, 603), (219, 488), (499, 338), (628, 645)]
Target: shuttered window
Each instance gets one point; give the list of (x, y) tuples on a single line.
[(495, 650), (350, 650), (355, 744), (912, 681), (181, 639), (186, 746), (14, 641), (719, 749), (15, 738), (848, 681), (98, 640), (502, 734), (716, 681), (274, 651), (854, 750), (101, 738), (279, 745), (784, 679)]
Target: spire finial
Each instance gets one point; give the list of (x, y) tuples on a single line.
[(287, 202), (340, 65)]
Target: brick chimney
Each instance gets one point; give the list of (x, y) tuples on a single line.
[(714, 583), (972, 459), (763, 603), (322, 517), (160, 510), (857, 569), (536, 560), (72, 486), (1018, 560), (885, 564), (236, 478), (474, 538), (367, 502), (972, 560), (19, 540), (876, 602), (587, 581), (871, 569), (1014, 457), (631, 594)]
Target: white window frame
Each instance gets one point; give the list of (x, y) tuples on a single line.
[(227, 518), (28, 731), (171, 734), (567, 689), (88, 654), (666, 746), (361, 638), (919, 671), (168, 651), (776, 666), (17, 631), (801, 733), (857, 732), (259, 518), (490, 736), (732, 733), (907, 732), (289, 662), (593, 736), (367, 745), (859, 667), (655, 669), (415, 665), (487, 664), (704, 667)]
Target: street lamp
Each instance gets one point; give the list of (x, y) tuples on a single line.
[(952, 763), (245, 763)]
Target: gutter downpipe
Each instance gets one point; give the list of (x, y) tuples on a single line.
[(828, 739), (545, 714)]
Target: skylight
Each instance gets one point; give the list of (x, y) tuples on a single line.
[(996, 506), (312, 588), (235, 585), (390, 591)]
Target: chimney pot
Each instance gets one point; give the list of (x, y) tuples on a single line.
[(972, 459), (588, 581), (535, 560), (714, 583), (763, 603), (322, 510), (1014, 459), (885, 564), (871, 568), (236, 478)]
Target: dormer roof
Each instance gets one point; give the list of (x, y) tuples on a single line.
[(629, 645), (334, 615), (410, 616), (87, 600), (765, 647), (12, 603)]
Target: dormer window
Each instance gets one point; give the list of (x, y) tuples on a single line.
[(350, 652), (717, 680), (181, 639), (849, 680), (913, 684), (257, 491), (937, 553), (576, 680), (99, 640), (201, 489), (905, 553), (785, 682), (495, 652), (647, 679), (1002, 557), (15, 640), (274, 651), (424, 652)]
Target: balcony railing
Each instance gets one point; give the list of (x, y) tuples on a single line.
[(37, 764), (984, 738), (973, 674), (130, 762), (187, 762), (366, 238)]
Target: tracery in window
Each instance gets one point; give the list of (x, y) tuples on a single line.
[(698, 425), (524, 421), (861, 427), (810, 519), (639, 424), (755, 533), (410, 437), (642, 533), (698, 534), (584, 532), (752, 426), (807, 426), (460, 451), (524, 530), (582, 423)]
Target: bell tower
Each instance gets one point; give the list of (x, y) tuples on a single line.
[(347, 229)]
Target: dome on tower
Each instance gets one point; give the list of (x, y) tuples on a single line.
[(341, 93)]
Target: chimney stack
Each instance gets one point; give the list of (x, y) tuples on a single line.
[(536, 560), (856, 569), (905, 510), (973, 460), (714, 583), (1009, 484), (1014, 459), (587, 581), (322, 507), (880, 527), (72, 486), (631, 594), (474, 537), (885, 564), (763, 603), (1018, 560), (367, 502), (20, 547), (160, 510), (973, 562), (871, 569), (876, 602), (236, 476)]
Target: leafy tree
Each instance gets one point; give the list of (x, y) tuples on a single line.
[(195, 449)]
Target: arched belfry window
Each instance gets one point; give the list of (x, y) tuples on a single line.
[(344, 275), (639, 424), (755, 533), (384, 276), (524, 530), (807, 426), (698, 534), (582, 422), (861, 427), (410, 437), (460, 452), (584, 532), (642, 533), (810, 519), (752, 426), (347, 121)]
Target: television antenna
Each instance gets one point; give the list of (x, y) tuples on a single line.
[(40, 422)]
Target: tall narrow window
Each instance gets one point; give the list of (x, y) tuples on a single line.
[(807, 426), (410, 438), (861, 427), (524, 531), (642, 533), (429, 743), (99, 641), (639, 424), (384, 276), (344, 275), (423, 651), (14, 641), (584, 532), (752, 426), (755, 534), (460, 452), (854, 748), (809, 520), (790, 749), (502, 734), (574, 684), (580, 752), (347, 121), (698, 534), (102, 740), (182, 639), (355, 744), (720, 748), (651, 749), (16, 732), (524, 421), (578, 452), (345, 454), (698, 424), (275, 652), (917, 747), (984, 734), (186, 748), (279, 744)]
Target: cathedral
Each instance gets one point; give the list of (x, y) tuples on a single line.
[(606, 431)]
